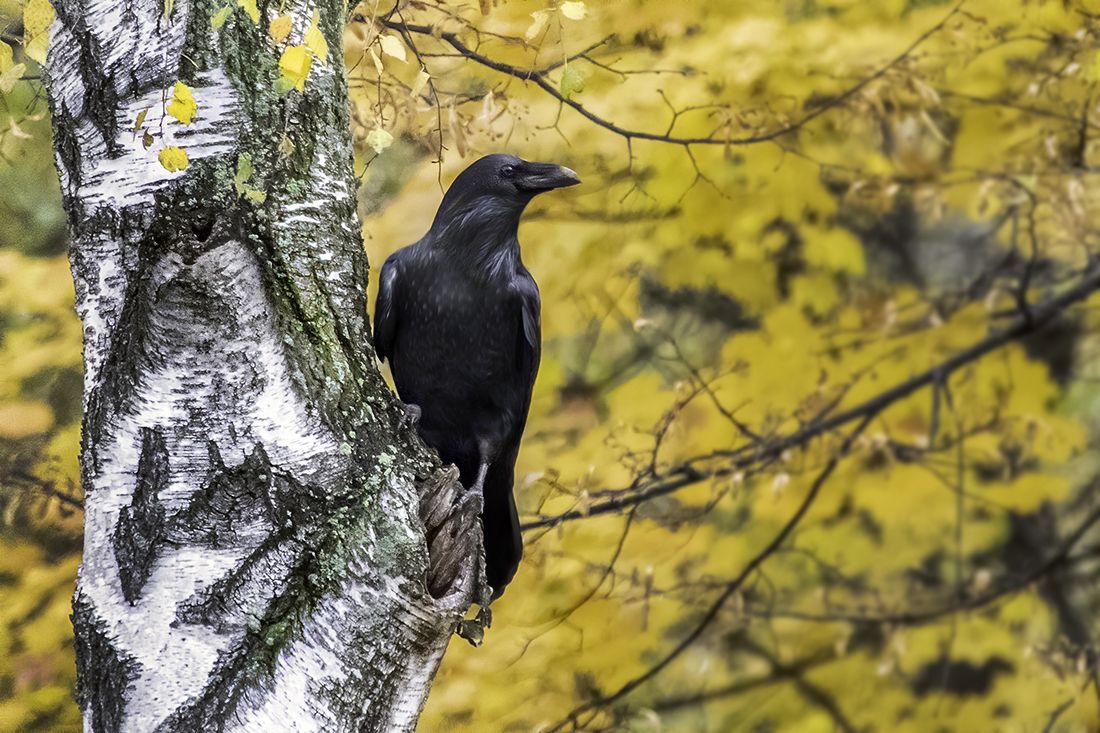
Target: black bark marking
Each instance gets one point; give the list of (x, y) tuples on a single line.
[(228, 603), (106, 671), (141, 526), (249, 663), (233, 505)]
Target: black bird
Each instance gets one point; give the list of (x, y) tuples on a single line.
[(457, 316)]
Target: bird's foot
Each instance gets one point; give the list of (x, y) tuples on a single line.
[(410, 417), (473, 500)]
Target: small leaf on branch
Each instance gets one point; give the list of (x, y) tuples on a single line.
[(37, 17), (139, 121), (539, 19), (420, 82), (6, 57), (244, 171), (377, 62), (240, 180), (392, 46), (280, 28), (251, 9), (379, 139), (315, 40), (294, 65), (173, 159), (218, 19), (182, 106), (573, 10), (572, 81)]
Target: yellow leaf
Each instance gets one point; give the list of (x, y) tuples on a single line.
[(392, 46), (10, 77), (6, 57), (377, 62), (280, 28), (574, 10), (182, 106), (294, 66), (315, 40), (219, 18), (37, 16), (139, 121), (36, 48), (251, 9), (538, 22), (419, 82), (173, 159)]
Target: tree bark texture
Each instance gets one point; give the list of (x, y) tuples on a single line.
[(257, 520)]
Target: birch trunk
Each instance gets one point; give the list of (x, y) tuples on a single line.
[(256, 517)]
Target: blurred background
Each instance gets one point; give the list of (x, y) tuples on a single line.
[(789, 207)]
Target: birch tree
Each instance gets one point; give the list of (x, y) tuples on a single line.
[(257, 518)]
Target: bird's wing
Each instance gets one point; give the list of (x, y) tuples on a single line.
[(530, 345), (385, 308)]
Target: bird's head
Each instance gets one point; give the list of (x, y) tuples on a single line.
[(495, 189)]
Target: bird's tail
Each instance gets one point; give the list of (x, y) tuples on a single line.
[(503, 541)]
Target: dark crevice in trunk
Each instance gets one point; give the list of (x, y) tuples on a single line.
[(140, 529), (105, 672)]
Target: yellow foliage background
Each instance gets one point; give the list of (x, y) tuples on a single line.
[(756, 269)]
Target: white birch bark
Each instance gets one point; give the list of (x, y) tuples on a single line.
[(255, 554)]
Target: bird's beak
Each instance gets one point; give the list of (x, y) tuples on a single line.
[(539, 177)]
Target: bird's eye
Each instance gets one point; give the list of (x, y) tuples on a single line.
[(507, 171)]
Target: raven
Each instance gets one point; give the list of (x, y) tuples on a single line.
[(457, 316)]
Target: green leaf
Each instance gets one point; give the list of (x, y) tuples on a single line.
[(572, 81), (244, 172)]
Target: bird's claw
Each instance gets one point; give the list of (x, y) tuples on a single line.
[(410, 416), (473, 500)]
